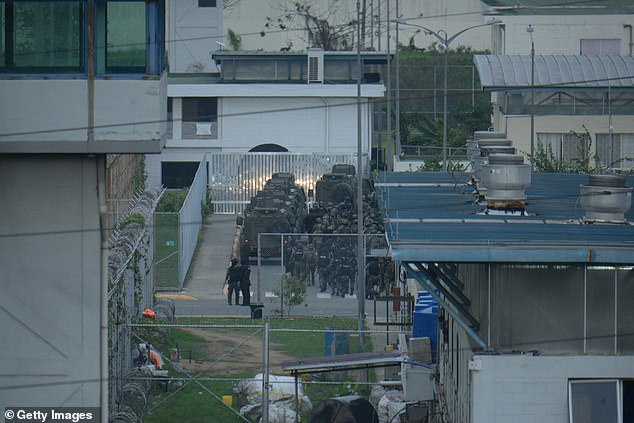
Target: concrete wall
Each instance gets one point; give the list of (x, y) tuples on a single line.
[(192, 35), (303, 125), (527, 389), (517, 127), (41, 107), (51, 116), (135, 109), (561, 34), (49, 281)]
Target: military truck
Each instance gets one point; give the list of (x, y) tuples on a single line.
[(340, 185), (280, 207)]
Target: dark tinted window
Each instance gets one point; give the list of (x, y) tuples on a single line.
[(177, 175)]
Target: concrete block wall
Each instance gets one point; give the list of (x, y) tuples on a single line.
[(522, 388)]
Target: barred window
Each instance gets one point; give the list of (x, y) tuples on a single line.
[(618, 154), (567, 148)]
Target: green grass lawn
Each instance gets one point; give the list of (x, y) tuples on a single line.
[(166, 251), (193, 403)]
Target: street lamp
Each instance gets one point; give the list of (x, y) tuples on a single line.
[(445, 41)]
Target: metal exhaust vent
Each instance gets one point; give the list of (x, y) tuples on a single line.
[(483, 157), (605, 199), (482, 135), (473, 148), (506, 178)]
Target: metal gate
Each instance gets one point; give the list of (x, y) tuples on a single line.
[(236, 177)]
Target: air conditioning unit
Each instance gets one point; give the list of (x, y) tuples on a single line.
[(315, 66)]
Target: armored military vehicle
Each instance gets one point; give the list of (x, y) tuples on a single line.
[(340, 185), (280, 207)]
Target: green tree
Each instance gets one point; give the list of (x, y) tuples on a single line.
[(235, 40), (422, 85), (292, 292)]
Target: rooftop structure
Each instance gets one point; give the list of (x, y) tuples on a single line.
[(537, 302), (555, 72), (433, 217)]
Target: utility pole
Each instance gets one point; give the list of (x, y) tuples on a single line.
[(360, 251), (397, 142), (389, 88)]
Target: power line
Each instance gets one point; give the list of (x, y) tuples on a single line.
[(286, 30), (512, 349), (290, 109)]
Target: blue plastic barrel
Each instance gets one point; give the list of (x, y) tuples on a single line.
[(336, 343), (426, 320)]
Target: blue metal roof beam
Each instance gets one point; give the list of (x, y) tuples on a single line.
[(438, 283), (428, 283), (450, 271), (449, 283)]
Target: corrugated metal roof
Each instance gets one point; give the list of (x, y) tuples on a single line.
[(431, 218), (555, 72), (548, 7)]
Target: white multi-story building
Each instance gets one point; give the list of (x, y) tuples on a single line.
[(194, 27), (72, 89), (582, 63), (266, 102)]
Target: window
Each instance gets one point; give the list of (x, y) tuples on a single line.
[(620, 154), (567, 148), (206, 3), (628, 401), (2, 37), (178, 175), (200, 117), (337, 70), (125, 36), (593, 401), (49, 36), (607, 47), (41, 35)]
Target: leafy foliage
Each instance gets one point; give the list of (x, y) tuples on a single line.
[(235, 40), (421, 75), (292, 291), (323, 25), (133, 218), (172, 201), (545, 160)]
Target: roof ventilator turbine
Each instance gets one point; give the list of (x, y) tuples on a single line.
[(605, 199)]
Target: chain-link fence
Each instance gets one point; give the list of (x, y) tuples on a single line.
[(176, 234), (130, 291), (317, 274), (218, 369)]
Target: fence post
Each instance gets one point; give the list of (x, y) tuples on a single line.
[(282, 275), (181, 280), (259, 269), (265, 377)]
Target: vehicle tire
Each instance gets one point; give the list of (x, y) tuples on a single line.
[(342, 192)]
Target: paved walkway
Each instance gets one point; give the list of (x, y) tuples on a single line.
[(209, 265)]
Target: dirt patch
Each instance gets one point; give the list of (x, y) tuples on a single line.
[(245, 359)]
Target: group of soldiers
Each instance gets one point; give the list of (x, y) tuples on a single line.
[(331, 260), (238, 281)]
